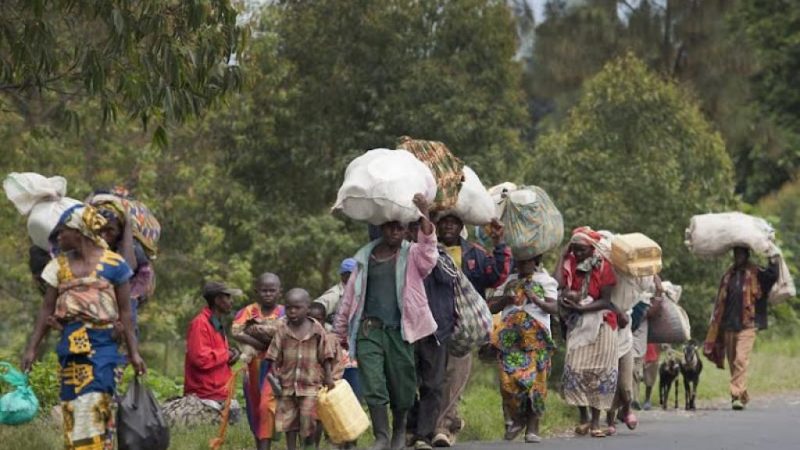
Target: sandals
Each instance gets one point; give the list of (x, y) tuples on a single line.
[(582, 429), (598, 433), (532, 438), (513, 431), (611, 430), (631, 421)]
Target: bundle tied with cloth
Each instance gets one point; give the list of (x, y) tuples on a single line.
[(460, 191), (532, 223), (145, 226), (43, 200), (716, 234)]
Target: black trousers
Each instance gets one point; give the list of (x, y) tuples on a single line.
[(431, 361)]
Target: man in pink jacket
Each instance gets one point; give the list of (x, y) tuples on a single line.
[(383, 312)]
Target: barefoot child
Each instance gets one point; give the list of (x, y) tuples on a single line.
[(301, 359), (251, 329)]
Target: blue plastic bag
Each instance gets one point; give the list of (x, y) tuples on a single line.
[(20, 405)]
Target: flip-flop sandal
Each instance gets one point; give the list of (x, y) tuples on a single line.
[(512, 432), (611, 430), (582, 429), (598, 433), (631, 421), (532, 438)]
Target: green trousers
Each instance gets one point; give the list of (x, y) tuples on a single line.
[(386, 368)]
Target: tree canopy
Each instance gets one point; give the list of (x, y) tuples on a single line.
[(636, 154), (151, 60)]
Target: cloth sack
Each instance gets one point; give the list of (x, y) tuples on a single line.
[(146, 228), (533, 224), (447, 169), (627, 292), (140, 423), (20, 405), (783, 289), (42, 200), (671, 326), (474, 206), (711, 235), (379, 187), (473, 319)]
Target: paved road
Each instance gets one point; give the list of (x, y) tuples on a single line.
[(768, 423)]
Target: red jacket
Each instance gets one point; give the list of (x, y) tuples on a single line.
[(206, 372)]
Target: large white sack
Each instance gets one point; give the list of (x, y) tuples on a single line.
[(631, 290), (379, 187), (43, 220), (716, 234), (42, 200), (27, 189), (474, 206)]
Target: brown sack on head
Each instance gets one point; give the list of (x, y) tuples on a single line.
[(446, 167)]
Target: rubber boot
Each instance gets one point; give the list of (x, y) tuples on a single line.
[(380, 427), (399, 429)]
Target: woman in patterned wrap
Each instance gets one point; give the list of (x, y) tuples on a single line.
[(522, 338), (87, 291), (586, 279)]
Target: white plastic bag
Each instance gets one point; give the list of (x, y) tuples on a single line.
[(783, 289), (379, 187), (474, 206), (27, 189), (43, 220), (42, 200), (716, 234)]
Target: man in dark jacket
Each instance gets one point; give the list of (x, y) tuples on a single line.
[(484, 270), (431, 352), (739, 312)]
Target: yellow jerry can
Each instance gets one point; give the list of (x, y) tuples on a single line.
[(340, 413)]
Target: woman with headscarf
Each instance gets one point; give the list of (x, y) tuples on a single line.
[(118, 234), (87, 291), (527, 299), (586, 279)]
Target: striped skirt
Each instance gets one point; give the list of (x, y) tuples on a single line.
[(590, 372)]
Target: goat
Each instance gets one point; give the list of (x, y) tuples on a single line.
[(668, 372), (691, 366)]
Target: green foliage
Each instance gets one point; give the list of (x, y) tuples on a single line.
[(345, 77), (151, 60), (772, 30), (44, 380), (782, 209), (636, 154), (163, 387), (690, 42)]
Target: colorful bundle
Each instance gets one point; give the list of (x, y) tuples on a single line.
[(447, 169)]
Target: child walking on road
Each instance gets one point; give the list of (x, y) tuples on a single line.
[(301, 360)]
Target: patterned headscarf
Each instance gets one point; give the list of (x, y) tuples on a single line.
[(87, 220), (111, 211), (585, 236)]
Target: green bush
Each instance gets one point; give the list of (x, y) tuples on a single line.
[(44, 381)]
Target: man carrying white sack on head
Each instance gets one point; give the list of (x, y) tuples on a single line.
[(739, 311)]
